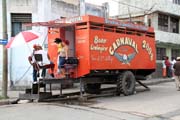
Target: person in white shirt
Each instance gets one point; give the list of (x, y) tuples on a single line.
[(37, 65), (173, 61)]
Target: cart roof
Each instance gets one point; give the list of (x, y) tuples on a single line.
[(50, 24), (80, 19)]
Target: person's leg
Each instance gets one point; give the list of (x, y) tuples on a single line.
[(34, 75), (43, 74), (172, 71), (52, 69), (177, 82), (169, 72), (59, 65), (166, 71), (62, 62)]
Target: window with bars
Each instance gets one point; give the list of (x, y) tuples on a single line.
[(163, 22), (175, 52), (176, 2), (174, 25), (168, 23), (160, 53), (18, 21)]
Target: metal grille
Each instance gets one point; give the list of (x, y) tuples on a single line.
[(21, 17)]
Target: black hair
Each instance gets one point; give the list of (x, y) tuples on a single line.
[(57, 40)]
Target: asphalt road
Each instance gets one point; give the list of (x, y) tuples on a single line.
[(162, 100), (161, 103)]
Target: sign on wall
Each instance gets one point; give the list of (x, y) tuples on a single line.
[(3, 41)]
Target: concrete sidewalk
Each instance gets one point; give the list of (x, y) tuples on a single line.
[(13, 95), (157, 81)]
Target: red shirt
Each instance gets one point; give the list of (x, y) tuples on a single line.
[(167, 63)]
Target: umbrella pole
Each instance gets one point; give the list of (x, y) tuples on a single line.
[(29, 47), (45, 39)]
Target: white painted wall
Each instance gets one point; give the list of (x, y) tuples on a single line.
[(167, 37), (19, 6), (159, 5), (113, 6), (62, 9), (42, 10), (165, 6)]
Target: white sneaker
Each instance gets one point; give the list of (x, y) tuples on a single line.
[(34, 82)]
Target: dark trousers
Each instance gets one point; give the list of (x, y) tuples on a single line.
[(36, 74), (168, 71)]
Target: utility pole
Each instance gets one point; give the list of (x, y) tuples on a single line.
[(5, 68)]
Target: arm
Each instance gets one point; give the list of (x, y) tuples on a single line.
[(30, 60), (48, 57)]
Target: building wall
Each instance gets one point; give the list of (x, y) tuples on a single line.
[(154, 19), (168, 40), (41, 10), (142, 6), (19, 6), (167, 37), (63, 9)]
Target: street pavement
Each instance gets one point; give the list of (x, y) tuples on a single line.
[(160, 103), (44, 111), (13, 95)]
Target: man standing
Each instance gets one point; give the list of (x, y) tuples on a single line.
[(168, 67), (177, 73)]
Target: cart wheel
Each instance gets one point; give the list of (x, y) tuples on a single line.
[(126, 83), (92, 88)]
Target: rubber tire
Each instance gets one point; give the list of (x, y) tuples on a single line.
[(92, 88), (126, 83)]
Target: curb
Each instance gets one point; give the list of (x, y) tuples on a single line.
[(8, 101)]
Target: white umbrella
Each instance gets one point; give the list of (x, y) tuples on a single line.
[(22, 38)]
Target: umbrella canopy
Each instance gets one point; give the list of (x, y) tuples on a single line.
[(22, 38)]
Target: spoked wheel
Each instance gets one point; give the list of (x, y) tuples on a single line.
[(126, 83)]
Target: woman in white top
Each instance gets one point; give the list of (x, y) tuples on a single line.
[(163, 67)]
